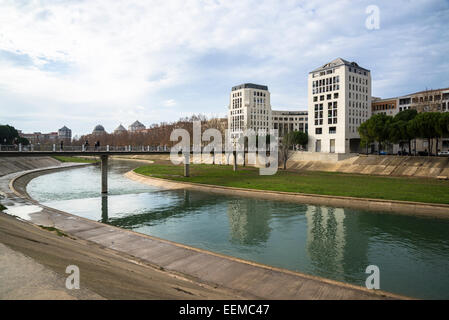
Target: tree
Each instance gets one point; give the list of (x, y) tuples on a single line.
[(288, 141), (425, 125), (365, 135), (301, 138), (400, 122), (8, 134), (378, 128)]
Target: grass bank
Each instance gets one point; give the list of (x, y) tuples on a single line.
[(74, 159), (324, 183)]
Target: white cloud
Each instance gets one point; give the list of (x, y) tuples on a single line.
[(115, 61), (169, 103)]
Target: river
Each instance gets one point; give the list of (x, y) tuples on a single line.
[(412, 252)]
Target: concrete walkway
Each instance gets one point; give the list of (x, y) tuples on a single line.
[(245, 277)]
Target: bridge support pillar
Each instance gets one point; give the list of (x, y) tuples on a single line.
[(187, 165), (104, 174)]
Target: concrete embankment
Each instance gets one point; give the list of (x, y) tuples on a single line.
[(33, 260), (400, 207), (235, 277), (429, 167), (15, 164)]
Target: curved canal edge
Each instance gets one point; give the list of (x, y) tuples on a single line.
[(202, 266), (399, 207)]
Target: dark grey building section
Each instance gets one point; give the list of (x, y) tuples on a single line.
[(250, 86)]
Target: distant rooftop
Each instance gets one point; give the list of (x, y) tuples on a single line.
[(249, 86), (336, 63), (292, 113)]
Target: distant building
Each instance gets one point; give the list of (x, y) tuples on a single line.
[(119, 129), (40, 138), (136, 126), (65, 134), (99, 129), (424, 101), (288, 121)]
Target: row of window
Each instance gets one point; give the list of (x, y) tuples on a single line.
[(358, 80), (329, 88), (259, 100), (358, 96), (356, 87), (328, 97), (357, 71), (325, 82), (332, 130), (290, 119)]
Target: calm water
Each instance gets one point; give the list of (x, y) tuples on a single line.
[(411, 252)]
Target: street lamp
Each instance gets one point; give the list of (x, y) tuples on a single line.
[(234, 140)]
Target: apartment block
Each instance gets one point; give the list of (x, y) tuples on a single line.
[(339, 100), (249, 108)]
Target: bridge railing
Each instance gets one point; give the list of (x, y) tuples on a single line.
[(82, 148)]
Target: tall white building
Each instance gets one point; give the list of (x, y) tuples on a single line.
[(249, 108), (339, 100)]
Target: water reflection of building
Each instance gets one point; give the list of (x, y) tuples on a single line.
[(326, 236), (249, 221), (329, 244)]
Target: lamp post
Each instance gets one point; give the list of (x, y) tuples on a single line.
[(235, 154)]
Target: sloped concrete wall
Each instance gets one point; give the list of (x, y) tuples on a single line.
[(430, 167), (15, 164)]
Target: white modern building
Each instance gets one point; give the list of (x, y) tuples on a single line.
[(249, 108), (339, 100)]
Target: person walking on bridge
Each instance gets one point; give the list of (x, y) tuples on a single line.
[(86, 145), (62, 145)]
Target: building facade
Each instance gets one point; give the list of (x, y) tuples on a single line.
[(339, 100), (136, 126), (40, 138), (249, 108), (120, 129), (65, 134), (287, 121), (424, 101)]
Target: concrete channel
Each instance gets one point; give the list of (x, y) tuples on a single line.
[(252, 279)]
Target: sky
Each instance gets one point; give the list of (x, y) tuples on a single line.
[(88, 62)]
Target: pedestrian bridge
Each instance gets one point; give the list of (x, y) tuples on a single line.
[(102, 152)]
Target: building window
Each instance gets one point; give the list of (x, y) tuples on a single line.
[(318, 130)]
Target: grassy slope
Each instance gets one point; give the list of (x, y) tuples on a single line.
[(326, 183), (74, 159)]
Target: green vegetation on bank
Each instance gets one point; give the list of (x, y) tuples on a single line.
[(2, 207), (312, 182), (404, 127), (53, 229), (74, 159)]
